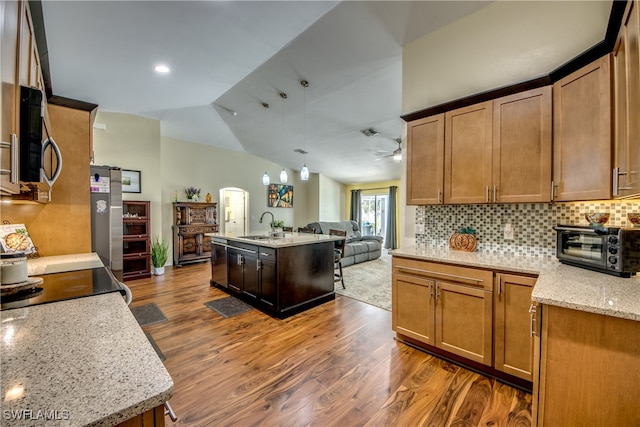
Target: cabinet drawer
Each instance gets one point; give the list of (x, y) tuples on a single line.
[(473, 277), (197, 229)]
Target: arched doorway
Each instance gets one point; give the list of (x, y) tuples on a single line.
[(233, 212)]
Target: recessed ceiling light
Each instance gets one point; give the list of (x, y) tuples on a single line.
[(162, 69)]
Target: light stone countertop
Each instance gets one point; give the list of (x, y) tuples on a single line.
[(84, 361), (60, 263), (558, 284), (289, 239)]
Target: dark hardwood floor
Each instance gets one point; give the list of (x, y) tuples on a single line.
[(334, 365)]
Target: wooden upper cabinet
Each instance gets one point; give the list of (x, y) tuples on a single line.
[(467, 156), (626, 76), (425, 161), (582, 142), (10, 16), (522, 136)]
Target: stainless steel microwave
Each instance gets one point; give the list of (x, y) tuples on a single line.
[(609, 250)]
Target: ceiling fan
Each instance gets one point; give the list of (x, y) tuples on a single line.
[(396, 154)]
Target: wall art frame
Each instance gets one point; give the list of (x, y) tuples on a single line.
[(280, 196), (131, 181)]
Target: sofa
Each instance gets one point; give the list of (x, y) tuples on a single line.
[(358, 248)]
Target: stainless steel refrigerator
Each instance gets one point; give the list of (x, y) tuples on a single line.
[(106, 216)]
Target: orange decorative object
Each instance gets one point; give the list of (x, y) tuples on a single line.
[(208, 198), (463, 242)]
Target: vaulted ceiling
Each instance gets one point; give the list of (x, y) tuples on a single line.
[(234, 56)]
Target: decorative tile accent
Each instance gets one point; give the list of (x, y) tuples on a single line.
[(532, 223)]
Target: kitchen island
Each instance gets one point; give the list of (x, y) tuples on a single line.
[(280, 275), (79, 362), (580, 347)]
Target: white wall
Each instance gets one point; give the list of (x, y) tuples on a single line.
[(133, 142), (168, 165), (331, 200), (504, 43)]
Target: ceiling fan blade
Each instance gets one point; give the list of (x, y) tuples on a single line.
[(383, 157)]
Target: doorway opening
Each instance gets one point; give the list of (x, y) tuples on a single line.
[(233, 212), (373, 211)]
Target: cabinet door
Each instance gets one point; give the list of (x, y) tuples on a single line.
[(251, 276), (582, 134), (27, 46), (513, 345), (413, 307), (464, 321), (268, 281), (425, 161), (9, 14), (522, 147), (467, 167), (626, 73), (206, 245), (235, 275), (589, 369)]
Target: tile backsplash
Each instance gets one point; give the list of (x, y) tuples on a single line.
[(532, 223)]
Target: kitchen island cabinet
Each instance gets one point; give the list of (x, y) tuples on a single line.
[(281, 276)]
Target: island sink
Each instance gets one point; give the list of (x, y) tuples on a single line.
[(260, 237)]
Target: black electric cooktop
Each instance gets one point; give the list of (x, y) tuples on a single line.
[(64, 286)]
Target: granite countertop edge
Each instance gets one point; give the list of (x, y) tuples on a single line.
[(290, 239), (129, 379), (558, 284)]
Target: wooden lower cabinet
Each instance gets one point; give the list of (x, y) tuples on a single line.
[(589, 370), (467, 335), (445, 306), (190, 243), (513, 338), (413, 307), (152, 418)]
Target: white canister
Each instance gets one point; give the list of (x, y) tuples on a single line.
[(13, 268)]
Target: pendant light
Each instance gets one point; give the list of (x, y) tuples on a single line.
[(283, 174), (304, 172), (265, 178)]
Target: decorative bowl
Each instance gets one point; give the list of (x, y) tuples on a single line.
[(634, 218), (597, 218)]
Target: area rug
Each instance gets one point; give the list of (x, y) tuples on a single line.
[(154, 344), (148, 314), (369, 282), (228, 306)]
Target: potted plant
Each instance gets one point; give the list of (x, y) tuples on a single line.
[(159, 255), (276, 226), (192, 193)]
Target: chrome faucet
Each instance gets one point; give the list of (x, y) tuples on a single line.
[(272, 219)]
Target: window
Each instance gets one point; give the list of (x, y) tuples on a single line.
[(373, 211)]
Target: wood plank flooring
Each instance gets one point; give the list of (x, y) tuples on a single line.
[(334, 365)]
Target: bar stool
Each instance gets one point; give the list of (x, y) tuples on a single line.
[(338, 255)]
